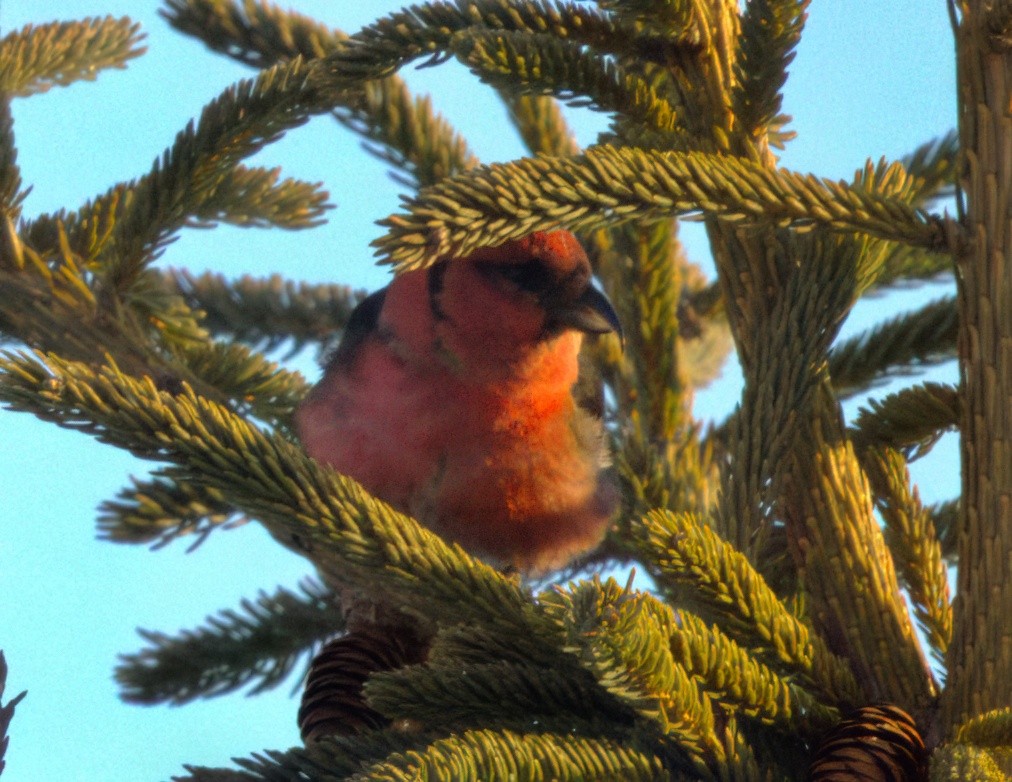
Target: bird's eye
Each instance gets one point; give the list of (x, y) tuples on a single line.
[(531, 275)]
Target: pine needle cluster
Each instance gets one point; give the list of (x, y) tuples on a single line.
[(783, 547)]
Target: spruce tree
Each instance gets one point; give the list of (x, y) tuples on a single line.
[(774, 639)]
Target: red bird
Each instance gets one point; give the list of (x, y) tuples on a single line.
[(451, 398)]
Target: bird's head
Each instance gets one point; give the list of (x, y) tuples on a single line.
[(504, 304), (545, 276)]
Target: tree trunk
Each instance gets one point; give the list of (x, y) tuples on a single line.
[(980, 657)]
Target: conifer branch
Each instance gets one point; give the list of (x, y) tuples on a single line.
[(931, 170), (94, 269), (258, 34), (920, 179), (891, 180), (122, 230), (910, 420), (606, 186), (519, 694), (706, 575), (934, 164), (159, 337), (355, 539), (406, 132), (681, 17), (336, 757), (622, 638), (958, 762), (252, 384), (427, 30), (86, 233), (788, 343), (905, 264), (643, 268), (770, 32), (540, 123), (400, 129), (476, 645), (474, 756), (897, 347), (704, 345), (6, 711), (546, 65), (253, 197), (676, 475), (745, 747), (245, 118), (163, 509), (991, 729), (205, 774), (256, 646), (735, 679), (910, 534), (858, 607), (503, 756), (265, 312), (658, 457), (10, 176), (789, 753), (37, 58), (814, 483), (693, 70), (43, 291), (945, 517)]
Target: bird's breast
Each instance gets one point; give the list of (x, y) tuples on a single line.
[(511, 469)]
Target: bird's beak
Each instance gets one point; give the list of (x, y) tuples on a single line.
[(591, 312)]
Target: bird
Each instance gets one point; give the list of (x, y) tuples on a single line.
[(451, 398)]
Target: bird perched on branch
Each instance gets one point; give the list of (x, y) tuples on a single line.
[(450, 397)]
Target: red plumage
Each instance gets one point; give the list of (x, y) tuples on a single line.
[(451, 398)]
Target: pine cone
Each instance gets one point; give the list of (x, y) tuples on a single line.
[(332, 702), (872, 744)]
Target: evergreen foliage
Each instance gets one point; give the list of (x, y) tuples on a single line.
[(258, 647), (6, 711), (782, 545)]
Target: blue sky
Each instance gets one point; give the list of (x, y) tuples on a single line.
[(871, 79)]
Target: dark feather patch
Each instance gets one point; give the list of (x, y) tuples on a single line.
[(363, 322), (434, 282)]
